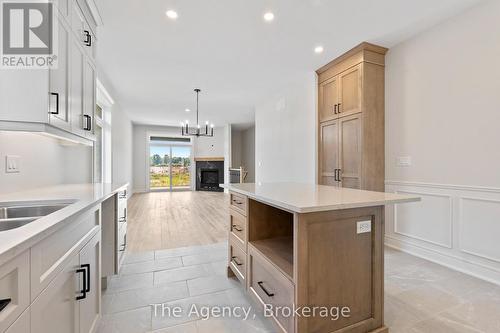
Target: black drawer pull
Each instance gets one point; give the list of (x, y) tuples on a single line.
[(57, 103), (260, 283), (235, 227), (338, 108), (237, 202), (4, 303), (88, 38), (236, 261), (84, 289), (88, 122)]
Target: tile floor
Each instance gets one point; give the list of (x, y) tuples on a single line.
[(420, 296)]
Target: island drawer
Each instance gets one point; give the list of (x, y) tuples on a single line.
[(237, 260), (238, 227), (269, 286), (238, 202)]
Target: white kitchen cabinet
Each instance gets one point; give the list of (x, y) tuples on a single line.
[(61, 100), (22, 324), (56, 309), (90, 306), (59, 111), (89, 98)]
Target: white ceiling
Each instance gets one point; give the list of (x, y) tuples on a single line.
[(225, 48)]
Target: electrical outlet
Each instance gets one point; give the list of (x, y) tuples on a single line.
[(404, 161), (364, 226), (12, 163)]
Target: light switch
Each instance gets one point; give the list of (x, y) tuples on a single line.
[(12, 163), (404, 161)]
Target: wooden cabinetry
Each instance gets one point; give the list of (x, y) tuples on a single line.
[(351, 119), (314, 259)]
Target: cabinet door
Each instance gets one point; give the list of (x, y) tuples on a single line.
[(350, 91), (89, 104), (59, 114), (328, 99), (350, 151), (22, 324), (56, 308), (90, 306), (329, 152), (76, 88)]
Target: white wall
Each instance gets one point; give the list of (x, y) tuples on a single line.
[(285, 133), (44, 161), (202, 147), (442, 109)]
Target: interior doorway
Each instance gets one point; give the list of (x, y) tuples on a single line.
[(169, 164)]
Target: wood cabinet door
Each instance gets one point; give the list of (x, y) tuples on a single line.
[(90, 306), (328, 152), (328, 99), (350, 91), (350, 151), (59, 114), (56, 308)]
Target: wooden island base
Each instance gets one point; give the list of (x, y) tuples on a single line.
[(310, 259)]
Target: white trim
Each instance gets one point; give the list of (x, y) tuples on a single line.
[(465, 266), (94, 11), (450, 222), (460, 225), (482, 265), (104, 99), (443, 186)]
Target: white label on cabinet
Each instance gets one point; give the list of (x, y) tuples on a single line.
[(364, 226)]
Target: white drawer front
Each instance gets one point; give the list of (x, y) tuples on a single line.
[(49, 256), (14, 285)]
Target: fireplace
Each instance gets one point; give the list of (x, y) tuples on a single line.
[(209, 174)]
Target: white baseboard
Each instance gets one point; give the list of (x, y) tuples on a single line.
[(455, 226), (457, 264)]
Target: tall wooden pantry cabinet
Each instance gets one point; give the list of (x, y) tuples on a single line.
[(351, 119)]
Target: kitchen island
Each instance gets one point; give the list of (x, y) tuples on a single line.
[(318, 249)]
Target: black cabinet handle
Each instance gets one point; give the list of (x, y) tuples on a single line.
[(235, 227), (335, 109), (84, 289), (260, 283), (87, 287), (236, 261), (338, 108), (238, 202), (335, 175), (338, 175), (4, 303), (88, 122), (57, 103), (88, 38)]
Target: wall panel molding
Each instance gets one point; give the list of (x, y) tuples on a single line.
[(453, 225)]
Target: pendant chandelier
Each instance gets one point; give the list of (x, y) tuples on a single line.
[(186, 130)]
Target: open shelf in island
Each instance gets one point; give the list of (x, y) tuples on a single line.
[(278, 251)]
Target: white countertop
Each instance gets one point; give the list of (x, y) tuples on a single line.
[(308, 198), (81, 196)]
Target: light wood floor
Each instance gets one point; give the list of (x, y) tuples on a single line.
[(164, 220)]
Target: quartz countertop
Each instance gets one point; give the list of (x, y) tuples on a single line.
[(80, 197), (308, 198)]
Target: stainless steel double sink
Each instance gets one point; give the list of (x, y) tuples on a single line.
[(15, 216)]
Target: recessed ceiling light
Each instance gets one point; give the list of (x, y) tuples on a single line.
[(172, 14), (318, 49), (268, 16), (187, 110)]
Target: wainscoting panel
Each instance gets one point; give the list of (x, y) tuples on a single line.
[(456, 226), (480, 227), (429, 220)]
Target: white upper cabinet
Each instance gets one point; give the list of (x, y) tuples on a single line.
[(62, 97)]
